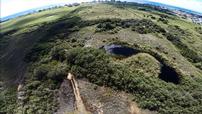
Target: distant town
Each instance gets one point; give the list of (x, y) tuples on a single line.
[(195, 18), (190, 16), (185, 14)]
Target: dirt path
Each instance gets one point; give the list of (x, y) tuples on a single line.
[(99, 100), (66, 98), (80, 107), (134, 109)]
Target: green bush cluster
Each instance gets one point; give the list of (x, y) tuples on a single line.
[(58, 53), (37, 52), (143, 26), (175, 35), (146, 26), (151, 16), (150, 92), (39, 99), (88, 60), (105, 26), (8, 101), (163, 20), (40, 88), (54, 71), (198, 65), (199, 29)]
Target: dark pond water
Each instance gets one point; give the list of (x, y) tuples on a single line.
[(120, 50), (169, 74)]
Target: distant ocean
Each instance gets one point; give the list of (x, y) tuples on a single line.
[(28, 12), (137, 1)]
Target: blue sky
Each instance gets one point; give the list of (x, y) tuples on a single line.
[(9, 7)]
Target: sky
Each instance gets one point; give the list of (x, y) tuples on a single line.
[(9, 7)]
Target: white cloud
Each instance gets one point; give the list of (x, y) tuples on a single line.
[(195, 5)]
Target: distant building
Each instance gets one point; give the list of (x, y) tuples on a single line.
[(197, 20)]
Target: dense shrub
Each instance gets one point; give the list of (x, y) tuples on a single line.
[(152, 17), (40, 90), (37, 52), (199, 29), (57, 74), (150, 92), (8, 101), (87, 63), (198, 65), (143, 26), (105, 27), (163, 20), (41, 72), (146, 26), (58, 53), (175, 36)]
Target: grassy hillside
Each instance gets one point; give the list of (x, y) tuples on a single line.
[(38, 50)]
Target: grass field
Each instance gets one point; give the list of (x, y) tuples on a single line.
[(35, 19)]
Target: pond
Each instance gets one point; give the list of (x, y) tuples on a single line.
[(120, 50), (169, 74)]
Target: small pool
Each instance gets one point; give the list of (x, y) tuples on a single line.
[(120, 50), (169, 74)]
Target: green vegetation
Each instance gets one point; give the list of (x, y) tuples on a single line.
[(62, 47), (35, 19), (141, 26), (199, 29), (41, 86), (8, 100), (149, 91), (175, 35), (146, 26), (165, 21)]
